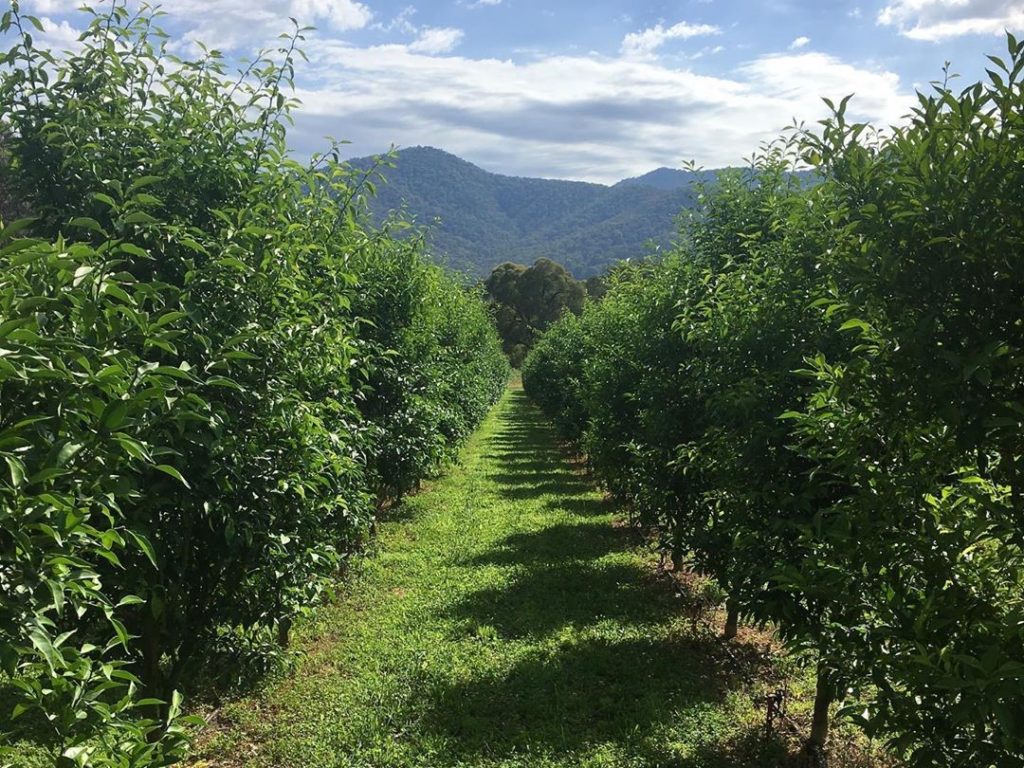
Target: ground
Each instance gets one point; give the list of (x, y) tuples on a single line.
[(507, 618)]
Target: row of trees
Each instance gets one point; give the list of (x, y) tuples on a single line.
[(212, 375), (818, 400)]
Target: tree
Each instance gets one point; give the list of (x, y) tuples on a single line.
[(528, 300)]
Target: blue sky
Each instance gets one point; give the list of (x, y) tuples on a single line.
[(595, 90)]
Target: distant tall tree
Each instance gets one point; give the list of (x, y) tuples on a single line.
[(528, 300)]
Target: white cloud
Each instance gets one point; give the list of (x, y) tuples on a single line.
[(482, 3), (800, 42), (585, 117), (50, 6), (340, 14), (942, 19), (434, 40), (248, 25), (57, 35), (647, 41), (429, 40), (402, 22)]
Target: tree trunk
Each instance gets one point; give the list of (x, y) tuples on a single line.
[(732, 619), (284, 628), (677, 561), (1009, 457), (822, 700), (152, 675)]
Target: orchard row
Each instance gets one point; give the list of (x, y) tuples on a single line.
[(213, 375), (818, 399)]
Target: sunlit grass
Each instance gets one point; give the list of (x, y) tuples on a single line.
[(505, 620)]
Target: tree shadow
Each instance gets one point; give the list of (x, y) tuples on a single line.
[(515, 476), (560, 488), (560, 543), (580, 696), (557, 596), (31, 727), (513, 461), (588, 507), (590, 691)]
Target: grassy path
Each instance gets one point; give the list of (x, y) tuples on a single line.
[(505, 621)]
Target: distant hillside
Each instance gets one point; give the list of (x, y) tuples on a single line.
[(663, 178), (486, 218)]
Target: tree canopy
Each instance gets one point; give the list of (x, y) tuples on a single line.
[(528, 300)]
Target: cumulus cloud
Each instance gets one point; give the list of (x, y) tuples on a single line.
[(402, 22), (434, 40), (50, 6), (800, 42), (942, 19), (57, 35), (585, 117), (231, 25), (339, 14), (647, 41)]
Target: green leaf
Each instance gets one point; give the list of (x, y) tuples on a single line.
[(105, 199), (143, 544), (139, 217), (167, 469), (113, 415), (17, 470), (84, 222), (144, 181), (134, 250), (42, 643), (855, 324), (10, 230), (67, 452)]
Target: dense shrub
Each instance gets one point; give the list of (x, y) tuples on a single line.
[(435, 363), (191, 335), (817, 400)]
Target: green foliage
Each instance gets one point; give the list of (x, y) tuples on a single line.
[(435, 363), (527, 300), (505, 607), (184, 372), (484, 219), (818, 401)]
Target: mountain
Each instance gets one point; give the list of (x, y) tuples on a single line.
[(477, 220), (663, 178)]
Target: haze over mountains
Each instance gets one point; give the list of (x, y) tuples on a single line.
[(486, 219)]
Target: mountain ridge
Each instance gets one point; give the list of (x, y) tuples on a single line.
[(484, 218)]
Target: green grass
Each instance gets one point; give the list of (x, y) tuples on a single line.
[(504, 620)]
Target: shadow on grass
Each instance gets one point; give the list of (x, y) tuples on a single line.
[(583, 507), (516, 476), (583, 695), (593, 690), (575, 594), (557, 544), (31, 727), (540, 490)]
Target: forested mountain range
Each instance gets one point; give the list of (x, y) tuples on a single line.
[(484, 219)]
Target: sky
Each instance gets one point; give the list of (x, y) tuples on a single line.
[(595, 90)]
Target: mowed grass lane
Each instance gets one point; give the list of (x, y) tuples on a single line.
[(504, 620)]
